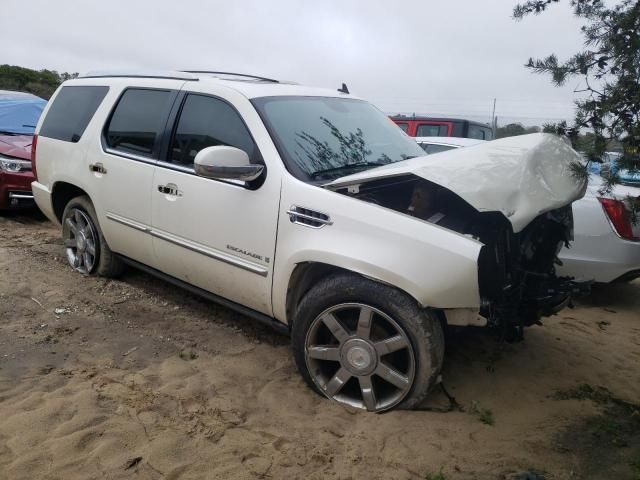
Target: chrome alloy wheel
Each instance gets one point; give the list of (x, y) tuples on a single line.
[(80, 241), (359, 356)]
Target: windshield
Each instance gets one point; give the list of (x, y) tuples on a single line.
[(20, 116), (323, 138)]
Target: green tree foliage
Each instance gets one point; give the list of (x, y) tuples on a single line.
[(38, 82), (609, 67), (514, 129)]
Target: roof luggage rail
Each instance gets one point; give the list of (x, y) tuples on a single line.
[(170, 74), (243, 75)]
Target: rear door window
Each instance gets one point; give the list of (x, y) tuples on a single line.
[(432, 130), (71, 112), (139, 120), (206, 122)]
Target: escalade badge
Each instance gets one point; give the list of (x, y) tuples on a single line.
[(248, 254)]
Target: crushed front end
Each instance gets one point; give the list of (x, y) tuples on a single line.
[(517, 271)]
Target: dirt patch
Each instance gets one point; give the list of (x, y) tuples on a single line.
[(607, 444), (134, 378)]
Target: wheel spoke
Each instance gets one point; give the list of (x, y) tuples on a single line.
[(70, 243), (391, 344), (392, 376), (88, 261), (77, 261), (365, 320), (368, 394), (338, 381), (337, 330), (78, 217), (320, 352), (91, 247), (71, 224)]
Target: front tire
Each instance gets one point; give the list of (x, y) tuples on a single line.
[(365, 344), (86, 249)]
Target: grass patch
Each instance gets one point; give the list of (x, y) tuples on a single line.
[(599, 395), (608, 443), (435, 476), (188, 355), (635, 468), (485, 415)]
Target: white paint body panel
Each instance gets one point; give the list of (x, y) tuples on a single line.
[(436, 266), (214, 215), (522, 177), (597, 252), (188, 236)]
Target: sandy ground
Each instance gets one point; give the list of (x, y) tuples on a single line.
[(137, 379)]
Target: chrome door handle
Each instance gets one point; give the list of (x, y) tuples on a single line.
[(169, 190), (97, 168)]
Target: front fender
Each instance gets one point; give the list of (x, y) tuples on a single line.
[(437, 267)]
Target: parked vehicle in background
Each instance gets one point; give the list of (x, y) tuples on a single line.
[(441, 144), (419, 126), (610, 166), (19, 114), (606, 245), (307, 209)]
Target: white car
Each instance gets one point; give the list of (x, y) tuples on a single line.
[(309, 210), (607, 243), (606, 246)]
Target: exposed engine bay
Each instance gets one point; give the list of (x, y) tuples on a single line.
[(516, 271)]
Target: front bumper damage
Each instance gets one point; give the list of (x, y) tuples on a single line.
[(512, 195)]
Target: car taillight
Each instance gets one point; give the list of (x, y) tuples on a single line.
[(619, 217), (34, 143)]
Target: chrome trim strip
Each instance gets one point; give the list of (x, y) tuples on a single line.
[(294, 213), (20, 196), (130, 156), (191, 171), (211, 253), (129, 223), (194, 247), (173, 166)]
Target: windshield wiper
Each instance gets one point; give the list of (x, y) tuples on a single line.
[(348, 166), (7, 132)]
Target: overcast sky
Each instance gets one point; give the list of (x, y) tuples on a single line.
[(447, 57)]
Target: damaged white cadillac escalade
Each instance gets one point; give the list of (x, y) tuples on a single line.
[(309, 210)]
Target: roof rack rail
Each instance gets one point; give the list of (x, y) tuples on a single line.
[(169, 74), (243, 75)]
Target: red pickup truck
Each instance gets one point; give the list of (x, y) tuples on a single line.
[(417, 126)]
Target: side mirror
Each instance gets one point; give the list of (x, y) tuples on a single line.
[(222, 162)]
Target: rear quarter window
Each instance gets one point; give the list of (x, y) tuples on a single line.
[(71, 112)]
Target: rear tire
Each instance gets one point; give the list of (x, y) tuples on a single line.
[(86, 248), (365, 344)]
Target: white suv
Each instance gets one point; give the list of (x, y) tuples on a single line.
[(310, 210)]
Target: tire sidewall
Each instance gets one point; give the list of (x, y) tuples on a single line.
[(104, 264), (421, 327)]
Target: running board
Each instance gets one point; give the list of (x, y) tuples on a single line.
[(236, 307)]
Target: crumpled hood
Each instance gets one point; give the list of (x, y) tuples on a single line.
[(522, 177), (18, 146)]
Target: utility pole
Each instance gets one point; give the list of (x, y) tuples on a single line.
[(494, 120)]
